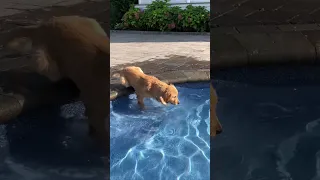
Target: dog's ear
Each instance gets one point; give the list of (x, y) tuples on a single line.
[(166, 95)]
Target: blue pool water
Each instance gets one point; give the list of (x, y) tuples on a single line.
[(271, 122), (50, 144), (161, 142)]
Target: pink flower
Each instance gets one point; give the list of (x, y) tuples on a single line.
[(172, 25)]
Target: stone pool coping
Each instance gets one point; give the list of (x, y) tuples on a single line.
[(262, 32), (265, 45), (174, 69)]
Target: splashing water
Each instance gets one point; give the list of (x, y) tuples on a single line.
[(161, 142)]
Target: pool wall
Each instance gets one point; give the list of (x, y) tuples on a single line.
[(174, 69)]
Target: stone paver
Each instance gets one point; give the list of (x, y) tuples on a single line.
[(130, 48), (262, 12), (261, 32), (11, 7)]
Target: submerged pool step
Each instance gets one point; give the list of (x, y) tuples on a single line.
[(21, 92)]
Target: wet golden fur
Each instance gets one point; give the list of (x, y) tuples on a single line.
[(147, 86), (71, 47), (215, 126)]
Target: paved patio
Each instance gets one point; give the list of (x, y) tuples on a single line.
[(129, 47), (11, 7)]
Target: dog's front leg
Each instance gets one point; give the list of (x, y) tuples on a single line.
[(162, 100), (140, 101)]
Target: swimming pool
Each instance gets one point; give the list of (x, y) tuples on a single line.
[(271, 122), (50, 143), (161, 142)]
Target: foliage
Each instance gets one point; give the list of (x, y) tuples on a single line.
[(118, 8), (160, 16)]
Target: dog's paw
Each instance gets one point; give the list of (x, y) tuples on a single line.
[(142, 107)]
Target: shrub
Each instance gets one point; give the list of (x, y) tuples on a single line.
[(196, 17), (132, 19), (160, 16), (118, 8)]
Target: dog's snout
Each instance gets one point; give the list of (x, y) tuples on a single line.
[(178, 102)]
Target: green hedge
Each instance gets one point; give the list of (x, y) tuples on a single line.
[(118, 8), (160, 16)]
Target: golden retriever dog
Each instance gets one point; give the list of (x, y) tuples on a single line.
[(147, 86), (71, 47), (215, 126)]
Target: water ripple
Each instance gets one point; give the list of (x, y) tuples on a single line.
[(161, 142)]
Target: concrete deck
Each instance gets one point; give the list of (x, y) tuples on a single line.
[(129, 47)]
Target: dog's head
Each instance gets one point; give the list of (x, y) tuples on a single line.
[(171, 95), (215, 126)]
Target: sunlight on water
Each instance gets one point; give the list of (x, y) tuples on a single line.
[(161, 142)]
